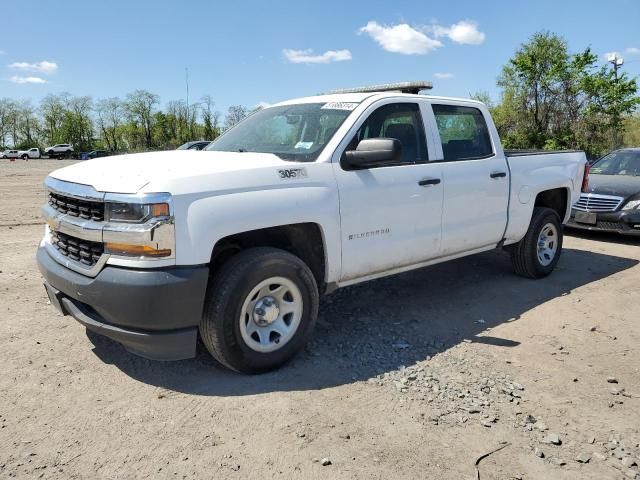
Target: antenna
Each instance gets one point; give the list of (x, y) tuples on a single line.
[(186, 79)]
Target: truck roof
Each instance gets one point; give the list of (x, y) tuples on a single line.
[(360, 97)]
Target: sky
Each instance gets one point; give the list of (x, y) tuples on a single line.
[(251, 52)]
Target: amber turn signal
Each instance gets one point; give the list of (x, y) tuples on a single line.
[(136, 250), (160, 210)]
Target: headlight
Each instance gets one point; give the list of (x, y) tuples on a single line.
[(139, 226), (633, 204), (135, 212)]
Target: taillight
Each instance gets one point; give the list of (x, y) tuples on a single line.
[(585, 179)]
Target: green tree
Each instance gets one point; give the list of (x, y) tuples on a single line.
[(553, 99)]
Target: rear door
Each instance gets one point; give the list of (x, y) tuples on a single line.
[(475, 178), (390, 216)]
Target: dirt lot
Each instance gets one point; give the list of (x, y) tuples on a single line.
[(414, 376)]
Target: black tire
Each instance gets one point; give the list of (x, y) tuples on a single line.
[(524, 254), (25, 157), (229, 288)]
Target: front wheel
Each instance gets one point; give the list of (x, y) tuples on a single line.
[(536, 255), (260, 310)]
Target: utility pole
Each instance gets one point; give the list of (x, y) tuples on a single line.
[(617, 62), (186, 79)]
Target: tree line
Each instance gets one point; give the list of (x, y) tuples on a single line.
[(550, 99), (554, 99), (133, 123)]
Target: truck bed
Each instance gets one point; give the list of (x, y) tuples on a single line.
[(526, 152)]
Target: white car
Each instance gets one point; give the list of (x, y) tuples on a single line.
[(235, 244), (9, 154), (31, 153), (60, 150)]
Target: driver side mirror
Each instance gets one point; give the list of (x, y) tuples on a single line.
[(372, 153)]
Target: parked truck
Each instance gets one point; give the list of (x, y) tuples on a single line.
[(235, 244), (32, 153)]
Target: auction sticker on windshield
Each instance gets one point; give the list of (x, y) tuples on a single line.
[(339, 106)]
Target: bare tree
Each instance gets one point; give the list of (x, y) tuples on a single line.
[(7, 115), (210, 119), (140, 107), (110, 115), (234, 115), (26, 126), (52, 109), (79, 123)]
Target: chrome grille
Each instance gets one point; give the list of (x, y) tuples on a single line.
[(592, 202), (83, 251), (87, 209)]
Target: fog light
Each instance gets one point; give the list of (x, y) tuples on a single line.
[(135, 250)]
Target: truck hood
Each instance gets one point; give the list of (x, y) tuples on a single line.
[(131, 173), (617, 185)]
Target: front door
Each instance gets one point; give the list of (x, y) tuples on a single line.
[(390, 216)]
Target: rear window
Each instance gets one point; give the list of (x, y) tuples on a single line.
[(463, 132)]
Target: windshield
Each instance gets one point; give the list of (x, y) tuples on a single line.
[(292, 132), (623, 162)]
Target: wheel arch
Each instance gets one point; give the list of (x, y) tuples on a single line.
[(556, 199), (305, 240)]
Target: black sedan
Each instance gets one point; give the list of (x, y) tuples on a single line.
[(612, 200), (197, 145)]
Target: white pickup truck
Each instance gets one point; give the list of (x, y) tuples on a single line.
[(31, 153), (23, 154), (236, 243)]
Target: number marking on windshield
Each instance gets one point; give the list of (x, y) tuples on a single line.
[(339, 106)]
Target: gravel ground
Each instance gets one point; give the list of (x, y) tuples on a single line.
[(414, 376)]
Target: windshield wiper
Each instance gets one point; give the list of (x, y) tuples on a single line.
[(242, 150)]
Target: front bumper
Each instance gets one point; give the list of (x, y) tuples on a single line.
[(153, 313), (625, 222)]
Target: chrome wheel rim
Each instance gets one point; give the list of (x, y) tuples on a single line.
[(547, 244), (271, 314)]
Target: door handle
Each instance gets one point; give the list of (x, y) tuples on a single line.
[(428, 182), (498, 174)]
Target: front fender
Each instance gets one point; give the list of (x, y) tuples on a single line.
[(202, 222)]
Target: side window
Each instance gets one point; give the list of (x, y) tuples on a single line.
[(463, 132), (401, 121)]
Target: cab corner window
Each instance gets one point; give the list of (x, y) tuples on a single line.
[(402, 121), (463, 132)]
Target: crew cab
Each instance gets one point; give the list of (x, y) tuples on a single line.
[(9, 154), (30, 153), (235, 244)]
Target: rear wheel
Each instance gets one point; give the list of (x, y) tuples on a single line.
[(261, 309), (25, 157), (537, 254)]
